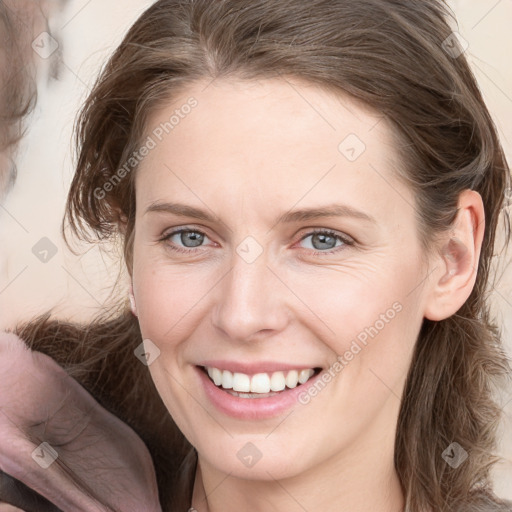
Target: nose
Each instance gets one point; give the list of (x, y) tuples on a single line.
[(251, 301)]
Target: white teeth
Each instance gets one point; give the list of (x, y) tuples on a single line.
[(216, 376), (241, 382), (292, 379), (227, 379), (277, 381), (304, 375), (261, 383)]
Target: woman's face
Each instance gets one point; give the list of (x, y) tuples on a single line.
[(243, 283)]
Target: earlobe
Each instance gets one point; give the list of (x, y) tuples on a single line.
[(455, 269)]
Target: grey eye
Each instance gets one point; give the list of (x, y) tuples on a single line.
[(323, 241), (187, 238), (191, 238)]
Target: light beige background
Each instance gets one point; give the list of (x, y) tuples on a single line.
[(78, 286)]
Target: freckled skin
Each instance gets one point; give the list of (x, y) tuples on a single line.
[(248, 153)]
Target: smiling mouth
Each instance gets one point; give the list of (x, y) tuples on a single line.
[(259, 385)]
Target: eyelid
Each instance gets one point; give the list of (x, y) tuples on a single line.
[(347, 241), (165, 237), (307, 232), (311, 230), (186, 227)]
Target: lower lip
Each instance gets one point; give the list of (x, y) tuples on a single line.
[(252, 408)]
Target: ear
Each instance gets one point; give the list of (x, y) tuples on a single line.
[(456, 262)]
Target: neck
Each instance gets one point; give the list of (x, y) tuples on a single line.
[(362, 478)]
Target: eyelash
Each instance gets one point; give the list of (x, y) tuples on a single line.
[(347, 242)]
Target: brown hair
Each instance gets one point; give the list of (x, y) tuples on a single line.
[(388, 54), (17, 88)]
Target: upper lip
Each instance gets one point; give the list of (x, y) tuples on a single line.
[(252, 368)]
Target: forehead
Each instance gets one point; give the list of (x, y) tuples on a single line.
[(279, 111), (280, 140)]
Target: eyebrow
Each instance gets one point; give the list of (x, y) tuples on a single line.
[(304, 214)]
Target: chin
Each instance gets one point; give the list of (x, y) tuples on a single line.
[(254, 457)]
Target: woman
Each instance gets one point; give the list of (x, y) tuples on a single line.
[(307, 194)]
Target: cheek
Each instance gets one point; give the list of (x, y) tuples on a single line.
[(344, 302), (167, 296), (370, 320)]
